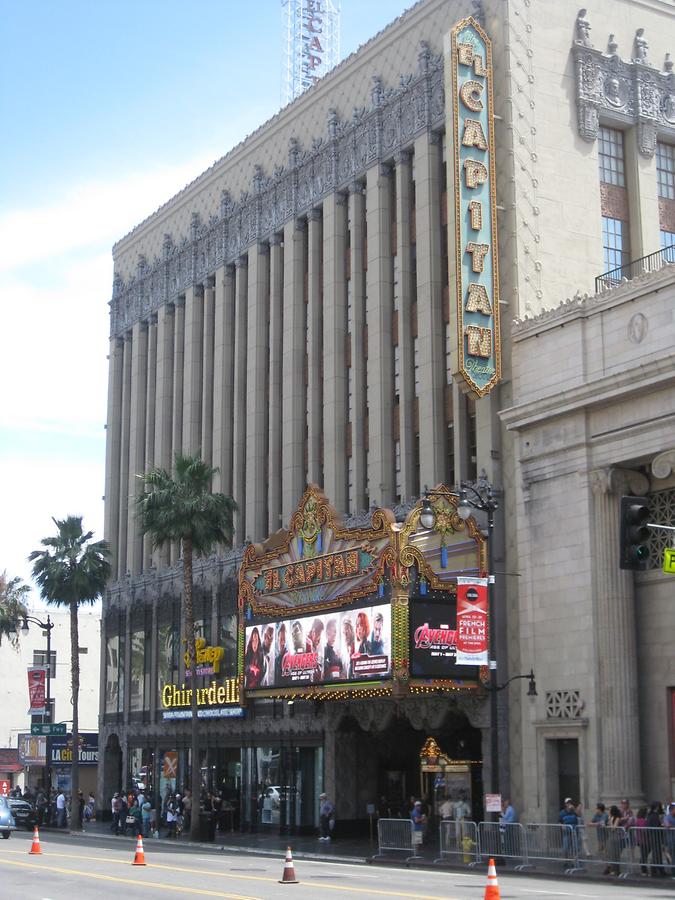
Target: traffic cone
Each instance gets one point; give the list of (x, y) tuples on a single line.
[(289, 870), (492, 888), (35, 846), (139, 859)]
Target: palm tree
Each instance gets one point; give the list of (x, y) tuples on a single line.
[(12, 607), (181, 507), (72, 570)]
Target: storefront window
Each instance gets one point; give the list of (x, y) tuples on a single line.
[(137, 670), (281, 787), (114, 662), (168, 648)]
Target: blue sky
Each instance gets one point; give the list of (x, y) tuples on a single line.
[(108, 109)]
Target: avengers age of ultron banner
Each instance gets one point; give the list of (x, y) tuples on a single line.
[(347, 645), (433, 642)]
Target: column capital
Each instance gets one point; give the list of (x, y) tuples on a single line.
[(612, 480), (356, 187), (403, 157), (241, 262), (276, 239), (314, 215), (179, 302), (663, 464), (152, 318)]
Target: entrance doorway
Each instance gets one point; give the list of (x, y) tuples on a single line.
[(562, 765)]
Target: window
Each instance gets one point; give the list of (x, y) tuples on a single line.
[(40, 659), (397, 466), (667, 239), (416, 359), (614, 243), (610, 156), (397, 370), (665, 170)]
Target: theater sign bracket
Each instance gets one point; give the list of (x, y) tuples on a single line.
[(470, 111)]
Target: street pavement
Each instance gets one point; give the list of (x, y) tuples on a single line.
[(87, 865)]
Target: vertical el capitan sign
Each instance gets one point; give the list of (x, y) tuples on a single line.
[(468, 59)]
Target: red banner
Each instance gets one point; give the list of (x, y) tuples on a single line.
[(472, 622), (36, 690)]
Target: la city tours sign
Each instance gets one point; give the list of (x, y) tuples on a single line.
[(468, 62)]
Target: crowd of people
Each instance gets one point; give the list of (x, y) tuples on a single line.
[(134, 813), (52, 808)]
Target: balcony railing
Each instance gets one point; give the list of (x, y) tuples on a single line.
[(651, 263)]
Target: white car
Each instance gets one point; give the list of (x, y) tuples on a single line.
[(7, 823)]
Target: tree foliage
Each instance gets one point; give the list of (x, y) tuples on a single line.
[(12, 606)]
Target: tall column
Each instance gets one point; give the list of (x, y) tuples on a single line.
[(124, 458), (239, 425), (257, 392), (358, 348), (380, 366), (334, 351), (223, 388), (614, 600), (112, 447), (164, 401), (178, 393), (314, 347), (430, 323), (192, 363), (406, 408), (208, 351), (293, 428), (150, 415), (139, 386), (275, 416)]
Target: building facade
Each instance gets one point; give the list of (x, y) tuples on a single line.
[(292, 315)]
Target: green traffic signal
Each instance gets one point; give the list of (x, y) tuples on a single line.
[(634, 534)]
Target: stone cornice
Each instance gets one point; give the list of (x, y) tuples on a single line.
[(642, 378), (582, 306), (396, 117)]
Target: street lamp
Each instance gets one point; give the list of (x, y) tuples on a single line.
[(471, 497), (45, 626), (531, 687)]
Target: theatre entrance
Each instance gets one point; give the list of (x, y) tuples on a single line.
[(382, 766)]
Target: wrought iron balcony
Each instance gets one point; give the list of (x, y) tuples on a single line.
[(651, 263)]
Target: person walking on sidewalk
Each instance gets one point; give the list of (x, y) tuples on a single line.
[(326, 816), (419, 821)]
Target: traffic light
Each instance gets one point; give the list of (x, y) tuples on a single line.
[(634, 534)]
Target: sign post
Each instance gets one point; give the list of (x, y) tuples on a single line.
[(49, 729)]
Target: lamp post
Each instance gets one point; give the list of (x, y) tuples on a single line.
[(46, 626), (471, 497)]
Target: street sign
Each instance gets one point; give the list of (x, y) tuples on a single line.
[(49, 729), (669, 560)]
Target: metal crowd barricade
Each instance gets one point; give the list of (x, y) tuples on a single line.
[(650, 851), (459, 841), (605, 848), (553, 844), (396, 835), (507, 841)]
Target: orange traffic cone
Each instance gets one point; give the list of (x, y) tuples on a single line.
[(289, 870), (492, 888), (35, 846), (139, 859)]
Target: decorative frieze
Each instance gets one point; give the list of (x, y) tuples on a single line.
[(628, 92), (397, 115)]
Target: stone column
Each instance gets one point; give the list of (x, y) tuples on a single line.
[(430, 323), (150, 414), (208, 350), (359, 349), (314, 347), (614, 601), (154, 657), (380, 366), (124, 459), (275, 416), (643, 197), (293, 368), (164, 402), (406, 292), (223, 389), (112, 449), (178, 382), (239, 427), (257, 392), (334, 352), (139, 387), (192, 387)]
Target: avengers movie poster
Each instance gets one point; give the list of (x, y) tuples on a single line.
[(341, 646), (433, 642)]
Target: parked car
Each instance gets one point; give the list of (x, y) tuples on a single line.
[(7, 823), (24, 813)]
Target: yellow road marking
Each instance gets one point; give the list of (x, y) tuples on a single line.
[(135, 881), (202, 873)]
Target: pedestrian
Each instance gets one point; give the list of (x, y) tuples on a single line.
[(124, 809), (146, 815), (61, 810), (326, 817), (569, 820), (116, 809), (655, 835), (134, 819), (419, 821), (171, 818), (599, 823), (669, 828), (80, 810), (581, 830), (615, 841), (187, 811), (642, 839)]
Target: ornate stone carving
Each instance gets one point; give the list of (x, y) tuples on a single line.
[(583, 29), (663, 464), (640, 47), (565, 704)]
